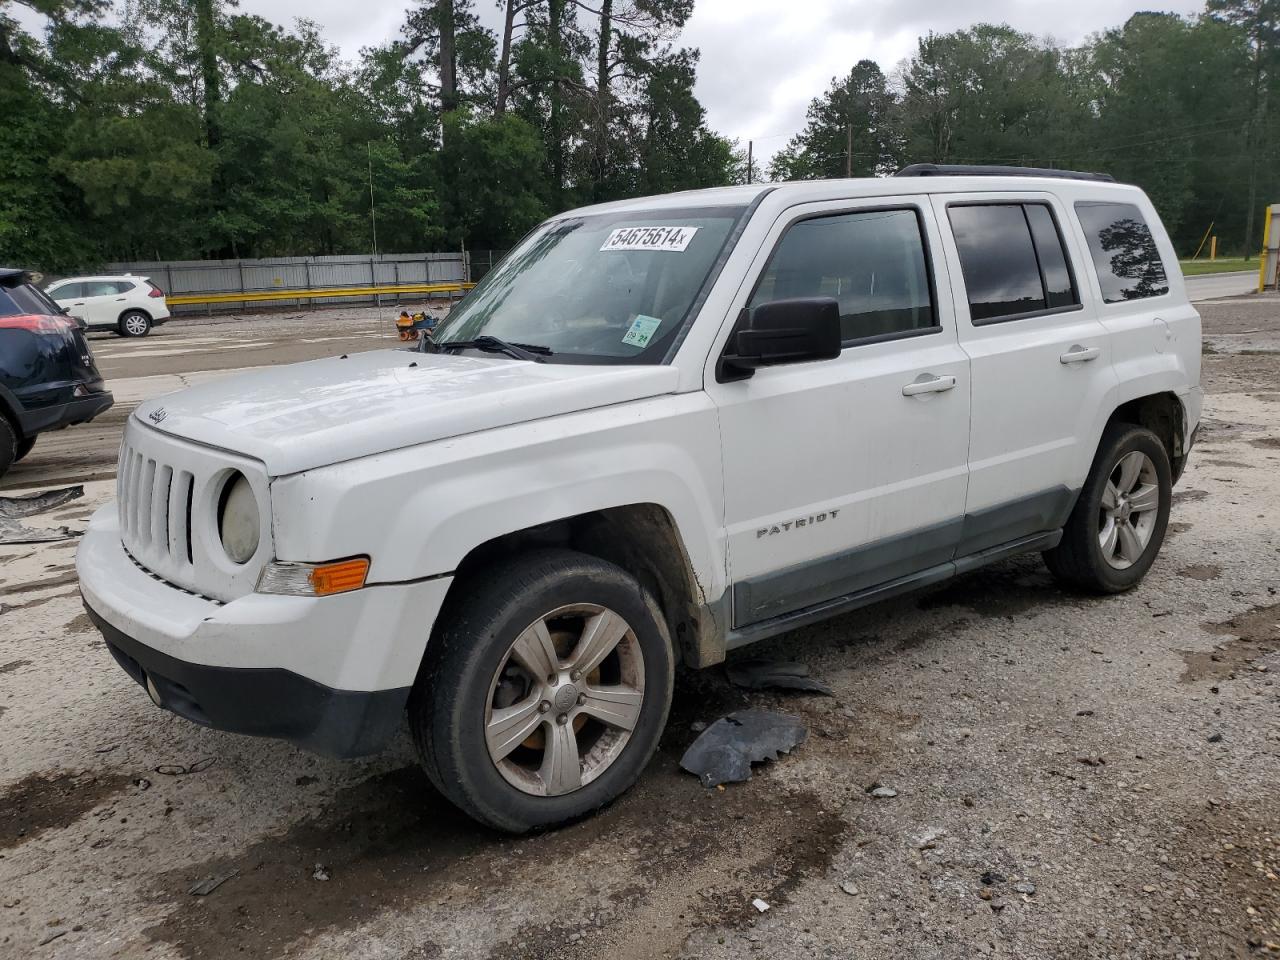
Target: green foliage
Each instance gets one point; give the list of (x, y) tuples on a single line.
[(186, 128)]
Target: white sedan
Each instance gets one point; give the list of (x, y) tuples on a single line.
[(129, 305)]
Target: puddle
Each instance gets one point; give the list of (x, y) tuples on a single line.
[(43, 802), (392, 843), (1201, 571), (1253, 634)]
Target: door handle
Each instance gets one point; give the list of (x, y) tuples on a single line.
[(121, 299), (929, 385), (1079, 354)]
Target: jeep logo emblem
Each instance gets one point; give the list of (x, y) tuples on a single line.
[(156, 415)]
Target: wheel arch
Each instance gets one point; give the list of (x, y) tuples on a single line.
[(129, 310), (644, 540), (1163, 414)]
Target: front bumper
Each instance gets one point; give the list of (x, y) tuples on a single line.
[(330, 674)]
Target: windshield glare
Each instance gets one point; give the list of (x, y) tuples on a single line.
[(609, 288)]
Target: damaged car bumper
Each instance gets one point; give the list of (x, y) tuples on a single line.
[(266, 665)]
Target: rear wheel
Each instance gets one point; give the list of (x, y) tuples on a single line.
[(1118, 524), (23, 448), (134, 323), (544, 692), (8, 445)]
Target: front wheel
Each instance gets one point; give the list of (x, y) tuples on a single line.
[(135, 323), (1118, 524), (544, 691)]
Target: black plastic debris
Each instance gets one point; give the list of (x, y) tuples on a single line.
[(779, 674), (726, 750), (12, 509), (211, 883)]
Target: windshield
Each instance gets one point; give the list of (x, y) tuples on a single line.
[(608, 288)]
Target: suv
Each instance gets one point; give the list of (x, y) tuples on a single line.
[(659, 430), (48, 379), (129, 305)]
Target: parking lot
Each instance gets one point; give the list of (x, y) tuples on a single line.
[(1073, 777)]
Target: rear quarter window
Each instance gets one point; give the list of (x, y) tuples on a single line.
[(1123, 250)]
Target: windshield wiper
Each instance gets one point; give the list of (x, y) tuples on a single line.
[(518, 351)]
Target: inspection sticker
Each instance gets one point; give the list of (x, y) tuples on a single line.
[(670, 239), (642, 331)]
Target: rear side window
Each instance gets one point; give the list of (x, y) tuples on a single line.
[(68, 291), (873, 262), (1124, 252), (123, 286), (23, 298), (99, 288), (1013, 261)]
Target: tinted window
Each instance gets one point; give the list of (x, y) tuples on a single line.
[(22, 298), (123, 286), (1059, 290), (872, 263), (1124, 252), (1001, 274), (68, 291)]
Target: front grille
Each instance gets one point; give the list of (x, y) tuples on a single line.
[(167, 492), (155, 507)]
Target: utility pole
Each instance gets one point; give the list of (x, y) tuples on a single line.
[(373, 213), (750, 144), (848, 151)]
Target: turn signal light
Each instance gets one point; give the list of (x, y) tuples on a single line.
[(339, 577), (313, 579)]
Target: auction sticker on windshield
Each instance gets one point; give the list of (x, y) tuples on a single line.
[(642, 330), (670, 239)]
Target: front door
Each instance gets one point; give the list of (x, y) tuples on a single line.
[(844, 474)]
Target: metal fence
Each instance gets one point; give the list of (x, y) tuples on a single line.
[(189, 277)]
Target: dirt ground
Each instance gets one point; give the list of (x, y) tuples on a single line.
[(1075, 777)]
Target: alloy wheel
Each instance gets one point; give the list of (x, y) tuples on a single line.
[(1129, 509), (565, 700)]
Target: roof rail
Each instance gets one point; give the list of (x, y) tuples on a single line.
[(991, 170)]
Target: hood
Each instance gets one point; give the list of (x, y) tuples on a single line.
[(312, 414)]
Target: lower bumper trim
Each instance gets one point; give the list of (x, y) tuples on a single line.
[(264, 702)]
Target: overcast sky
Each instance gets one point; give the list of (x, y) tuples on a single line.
[(764, 60)]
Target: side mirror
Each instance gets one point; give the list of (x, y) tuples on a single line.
[(784, 331)]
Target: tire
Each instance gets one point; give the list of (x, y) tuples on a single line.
[(469, 675), (8, 445), (1089, 556), (24, 447), (134, 323)]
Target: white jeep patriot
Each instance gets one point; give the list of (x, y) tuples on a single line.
[(660, 429)]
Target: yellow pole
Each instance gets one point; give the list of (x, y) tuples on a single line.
[(1213, 248), (1262, 260)]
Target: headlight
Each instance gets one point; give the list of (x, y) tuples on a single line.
[(238, 521)]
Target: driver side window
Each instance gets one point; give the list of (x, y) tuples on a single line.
[(873, 262)]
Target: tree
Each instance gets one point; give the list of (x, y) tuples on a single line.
[(850, 131)]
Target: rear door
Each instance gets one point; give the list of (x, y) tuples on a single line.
[(1041, 361), (844, 474), (102, 303)]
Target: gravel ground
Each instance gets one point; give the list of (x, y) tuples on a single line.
[(1074, 777)]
